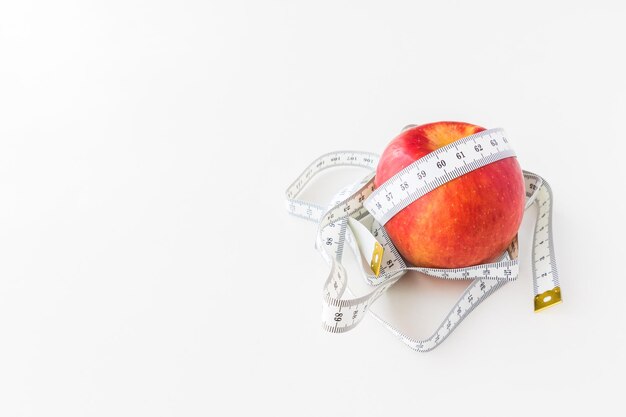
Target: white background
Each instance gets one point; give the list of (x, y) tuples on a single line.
[(147, 264)]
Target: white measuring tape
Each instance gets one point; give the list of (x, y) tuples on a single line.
[(358, 213)]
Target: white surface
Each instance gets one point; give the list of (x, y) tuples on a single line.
[(148, 266)]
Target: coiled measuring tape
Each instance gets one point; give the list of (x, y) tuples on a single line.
[(358, 213)]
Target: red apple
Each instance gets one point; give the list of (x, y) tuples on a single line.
[(467, 221)]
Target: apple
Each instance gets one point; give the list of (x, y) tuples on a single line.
[(467, 221)]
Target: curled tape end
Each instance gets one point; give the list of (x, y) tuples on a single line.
[(548, 299), (377, 258)]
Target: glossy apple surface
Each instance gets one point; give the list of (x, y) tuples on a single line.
[(468, 221)]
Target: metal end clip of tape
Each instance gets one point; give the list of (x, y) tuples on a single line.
[(547, 299)]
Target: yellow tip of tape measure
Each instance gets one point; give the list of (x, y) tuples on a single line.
[(548, 299), (377, 258)]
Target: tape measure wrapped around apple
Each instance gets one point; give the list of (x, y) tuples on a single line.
[(447, 200)]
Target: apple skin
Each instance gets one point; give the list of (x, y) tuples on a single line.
[(467, 221)]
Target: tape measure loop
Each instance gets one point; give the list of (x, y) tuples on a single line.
[(357, 215)]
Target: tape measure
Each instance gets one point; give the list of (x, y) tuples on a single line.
[(357, 214)]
